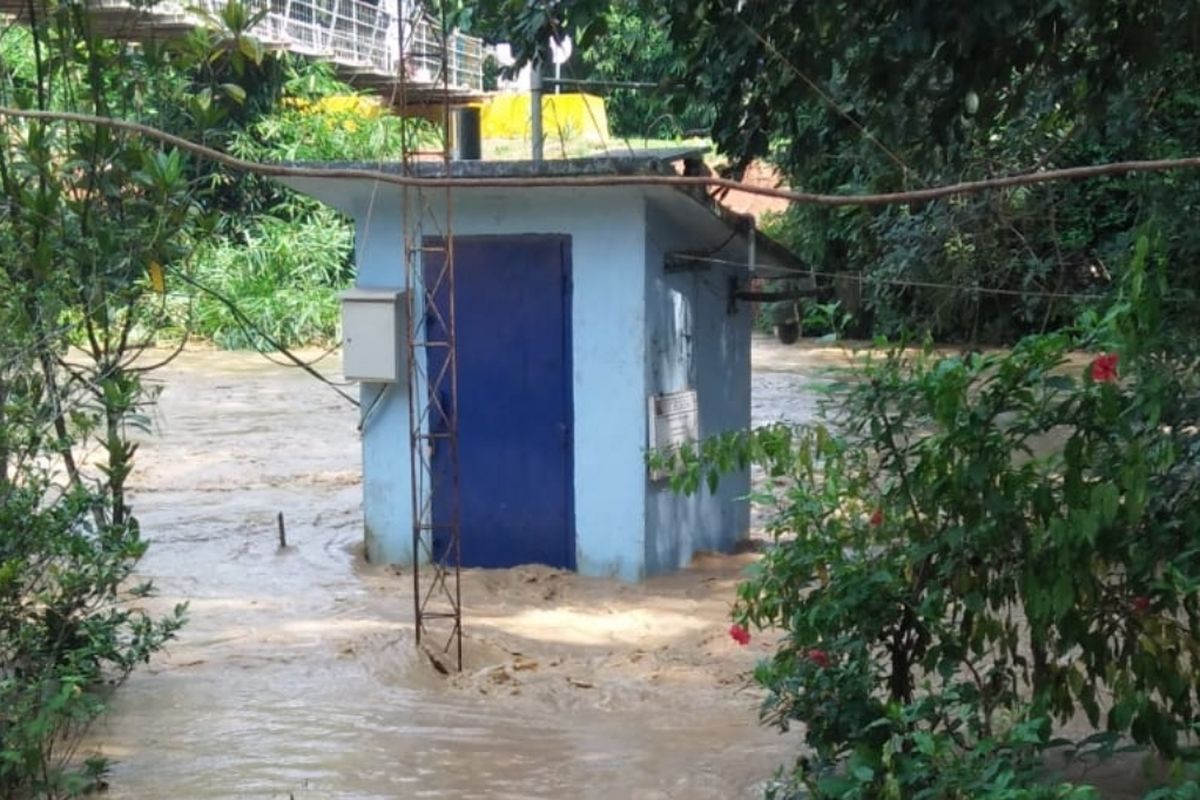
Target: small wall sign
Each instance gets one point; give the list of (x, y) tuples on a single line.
[(674, 421)]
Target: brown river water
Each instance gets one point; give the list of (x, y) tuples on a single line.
[(297, 675)]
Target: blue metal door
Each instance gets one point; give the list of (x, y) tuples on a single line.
[(512, 323)]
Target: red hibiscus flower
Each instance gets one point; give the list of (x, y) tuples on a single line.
[(1140, 604), (820, 658), (1104, 368), (739, 635), (877, 518)]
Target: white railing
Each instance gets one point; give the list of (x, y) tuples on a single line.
[(360, 34), (423, 53), (354, 33), (347, 31)]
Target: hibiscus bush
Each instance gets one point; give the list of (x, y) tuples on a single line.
[(976, 549)]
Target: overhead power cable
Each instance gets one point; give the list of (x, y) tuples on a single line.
[(580, 181)]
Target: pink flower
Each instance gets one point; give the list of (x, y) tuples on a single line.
[(1104, 368), (819, 657), (876, 518), (739, 635)]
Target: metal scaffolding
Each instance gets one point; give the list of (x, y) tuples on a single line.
[(433, 389)]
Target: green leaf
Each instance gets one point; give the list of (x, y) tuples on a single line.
[(863, 774), (251, 49), (924, 742), (1106, 500), (234, 92)]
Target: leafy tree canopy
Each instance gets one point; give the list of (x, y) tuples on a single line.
[(880, 95), (920, 75)]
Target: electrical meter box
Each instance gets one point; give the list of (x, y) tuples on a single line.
[(374, 327)]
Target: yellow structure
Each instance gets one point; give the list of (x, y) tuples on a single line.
[(564, 116), (356, 105)]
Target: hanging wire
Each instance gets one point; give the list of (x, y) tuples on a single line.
[(872, 279), (825, 96), (246, 322)]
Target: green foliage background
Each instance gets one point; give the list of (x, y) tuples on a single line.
[(280, 256), (87, 219), (108, 243), (633, 46), (882, 96), (922, 94)]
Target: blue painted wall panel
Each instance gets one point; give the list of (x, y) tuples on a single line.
[(693, 343), (607, 230), (387, 491)]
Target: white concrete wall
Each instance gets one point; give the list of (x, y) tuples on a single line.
[(693, 343)]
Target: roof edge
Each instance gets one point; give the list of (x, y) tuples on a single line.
[(653, 161)]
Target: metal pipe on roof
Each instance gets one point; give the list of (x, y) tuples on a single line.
[(535, 108)]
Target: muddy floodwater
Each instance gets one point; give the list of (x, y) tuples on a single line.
[(297, 674)]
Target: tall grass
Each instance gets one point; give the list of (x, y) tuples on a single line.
[(284, 274), (280, 257)]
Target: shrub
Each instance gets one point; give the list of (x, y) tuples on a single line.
[(92, 225), (977, 548), (318, 118), (65, 629)]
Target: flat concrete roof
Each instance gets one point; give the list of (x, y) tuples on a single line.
[(774, 260), (651, 161)]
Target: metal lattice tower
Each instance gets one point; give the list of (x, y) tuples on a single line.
[(433, 388)]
